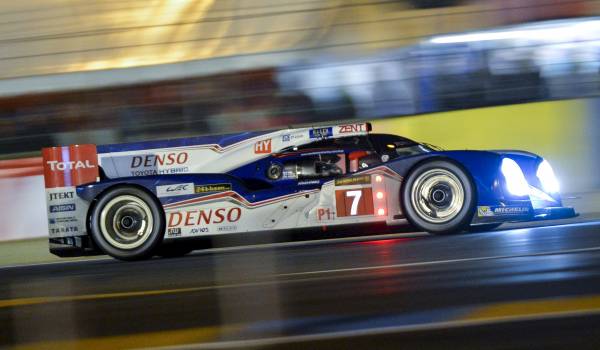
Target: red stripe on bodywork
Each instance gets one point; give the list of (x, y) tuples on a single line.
[(237, 197)]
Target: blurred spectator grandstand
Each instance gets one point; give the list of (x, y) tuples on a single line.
[(121, 71)]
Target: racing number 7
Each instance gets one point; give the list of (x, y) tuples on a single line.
[(355, 201)]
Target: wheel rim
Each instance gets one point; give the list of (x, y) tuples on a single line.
[(437, 196), (126, 222)]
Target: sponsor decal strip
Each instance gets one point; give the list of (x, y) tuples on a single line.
[(378, 170), (236, 197), (214, 147), (353, 180), (220, 187), (352, 128), (489, 211), (175, 190), (313, 133)]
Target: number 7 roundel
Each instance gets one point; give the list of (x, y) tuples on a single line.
[(354, 202)]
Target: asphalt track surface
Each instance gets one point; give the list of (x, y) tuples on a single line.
[(523, 288)]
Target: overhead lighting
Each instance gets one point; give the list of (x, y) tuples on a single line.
[(550, 32)]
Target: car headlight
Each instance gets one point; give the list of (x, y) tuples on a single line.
[(547, 178), (516, 183)]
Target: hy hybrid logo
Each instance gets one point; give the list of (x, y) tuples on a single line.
[(262, 147)]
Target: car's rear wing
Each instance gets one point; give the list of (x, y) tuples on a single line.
[(64, 169)]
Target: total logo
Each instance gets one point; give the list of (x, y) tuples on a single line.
[(263, 147), (204, 217), (153, 160), (72, 165)]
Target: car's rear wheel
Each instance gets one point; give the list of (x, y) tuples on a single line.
[(439, 197), (127, 223)]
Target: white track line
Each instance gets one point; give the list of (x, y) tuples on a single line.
[(326, 241), (198, 252), (322, 241), (67, 262), (440, 262)]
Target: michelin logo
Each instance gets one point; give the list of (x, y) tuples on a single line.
[(511, 210), (486, 211)]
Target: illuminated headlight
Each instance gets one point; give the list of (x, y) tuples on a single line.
[(547, 178), (516, 183)]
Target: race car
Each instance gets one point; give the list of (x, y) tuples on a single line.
[(133, 200)]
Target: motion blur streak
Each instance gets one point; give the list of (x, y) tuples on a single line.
[(47, 300), (537, 308), (137, 341)]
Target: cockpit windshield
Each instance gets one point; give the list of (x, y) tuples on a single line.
[(394, 146)]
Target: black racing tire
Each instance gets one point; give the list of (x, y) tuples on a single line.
[(483, 227), (439, 197), (127, 223), (173, 251)]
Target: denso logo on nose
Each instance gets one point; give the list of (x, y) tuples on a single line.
[(72, 165), (154, 160)]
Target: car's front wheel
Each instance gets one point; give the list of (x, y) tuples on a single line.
[(127, 223), (439, 197)]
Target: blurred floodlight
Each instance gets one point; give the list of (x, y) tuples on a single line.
[(556, 32)]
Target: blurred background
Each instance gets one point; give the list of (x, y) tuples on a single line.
[(456, 73), (460, 74)]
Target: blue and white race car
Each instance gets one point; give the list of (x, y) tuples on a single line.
[(132, 201)]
